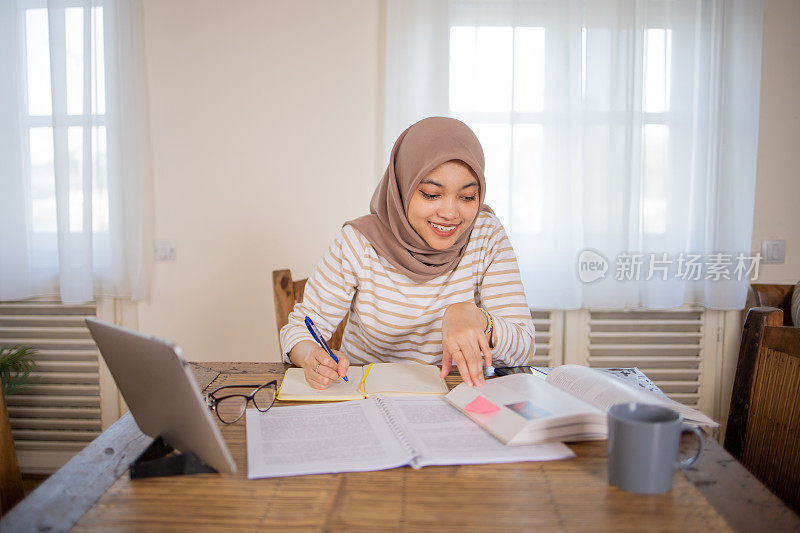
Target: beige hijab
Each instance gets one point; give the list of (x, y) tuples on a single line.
[(420, 149)]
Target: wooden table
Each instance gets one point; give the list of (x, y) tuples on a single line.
[(94, 492)]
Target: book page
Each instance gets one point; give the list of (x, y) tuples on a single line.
[(442, 435), (525, 407), (603, 391), (321, 439), (395, 379), (295, 387)]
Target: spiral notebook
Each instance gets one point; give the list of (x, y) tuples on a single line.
[(375, 434)]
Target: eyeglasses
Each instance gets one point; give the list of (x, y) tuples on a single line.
[(231, 407)]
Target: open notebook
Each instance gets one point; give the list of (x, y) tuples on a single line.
[(375, 434), (388, 379)]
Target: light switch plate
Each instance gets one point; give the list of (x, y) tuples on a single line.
[(164, 250), (773, 251)]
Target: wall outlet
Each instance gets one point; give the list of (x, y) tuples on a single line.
[(773, 251), (164, 250)]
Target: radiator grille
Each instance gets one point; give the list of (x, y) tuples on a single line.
[(666, 345), (544, 339), (58, 413)]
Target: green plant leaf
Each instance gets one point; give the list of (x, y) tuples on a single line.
[(16, 366)]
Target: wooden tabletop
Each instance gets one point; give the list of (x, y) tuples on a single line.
[(94, 491)]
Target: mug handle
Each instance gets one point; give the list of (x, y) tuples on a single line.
[(686, 463)]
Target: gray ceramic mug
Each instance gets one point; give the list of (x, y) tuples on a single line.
[(643, 442)]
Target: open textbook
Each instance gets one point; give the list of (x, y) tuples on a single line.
[(387, 379), (375, 434), (569, 405)]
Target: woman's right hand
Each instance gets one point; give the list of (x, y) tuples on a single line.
[(321, 370)]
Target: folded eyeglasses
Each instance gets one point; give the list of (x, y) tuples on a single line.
[(231, 407)]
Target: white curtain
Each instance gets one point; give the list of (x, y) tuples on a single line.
[(621, 133), (75, 175)]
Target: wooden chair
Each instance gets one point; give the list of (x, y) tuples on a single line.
[(287, 292), (763, 430), (10, 479), (771, 295)]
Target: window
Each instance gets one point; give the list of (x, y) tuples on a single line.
[(498, 84), (611, 127), (74, 150), (70, 73)]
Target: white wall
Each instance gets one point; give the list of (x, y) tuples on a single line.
[(777, 210), (266, 127), (265, 122)]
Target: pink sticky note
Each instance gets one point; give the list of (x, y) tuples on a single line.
[(481, 406)]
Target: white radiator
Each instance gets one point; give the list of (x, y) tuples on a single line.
[(59, 411), (548, 337), (678, 349)]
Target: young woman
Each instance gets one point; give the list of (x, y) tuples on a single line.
[(429, 276)]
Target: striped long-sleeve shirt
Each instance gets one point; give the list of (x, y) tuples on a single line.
[(393, 318)]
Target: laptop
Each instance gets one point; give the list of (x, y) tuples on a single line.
[(161, 392)]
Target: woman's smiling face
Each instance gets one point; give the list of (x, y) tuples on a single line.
[(444, 204)]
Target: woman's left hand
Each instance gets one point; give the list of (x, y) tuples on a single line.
[(464, 342)]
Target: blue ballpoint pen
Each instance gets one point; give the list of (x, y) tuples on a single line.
[(321, 341)]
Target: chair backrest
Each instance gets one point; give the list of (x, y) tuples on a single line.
[(287, 292), (10, 479), (771, 295), (763, 430)]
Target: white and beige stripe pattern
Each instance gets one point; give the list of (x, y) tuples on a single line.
[(394, 319)]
